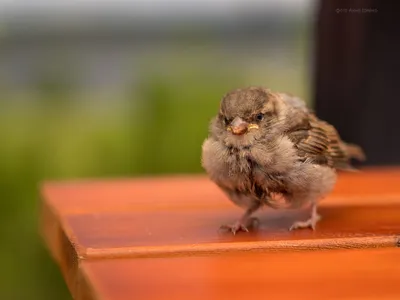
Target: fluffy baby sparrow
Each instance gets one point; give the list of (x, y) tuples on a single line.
[(267, 148)]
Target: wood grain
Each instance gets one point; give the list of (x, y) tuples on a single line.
[(351, 274), (172, 215), (95, 228)]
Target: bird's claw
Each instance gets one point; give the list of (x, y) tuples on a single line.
[(241, 225), (234, 228), (310, 223), (301, 225)]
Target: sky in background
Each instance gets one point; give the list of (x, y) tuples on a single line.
[(150, 7), (101, 38)]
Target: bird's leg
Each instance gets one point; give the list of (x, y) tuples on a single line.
[(310, 223), (245, 222)]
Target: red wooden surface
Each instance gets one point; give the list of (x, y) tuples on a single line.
[(158, 238), (350, 274)]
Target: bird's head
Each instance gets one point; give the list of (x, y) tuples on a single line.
[(245, 116)]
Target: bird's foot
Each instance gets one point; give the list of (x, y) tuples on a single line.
[(241, 225), (310, 223)]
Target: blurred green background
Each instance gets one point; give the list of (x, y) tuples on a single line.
[(53, 126)]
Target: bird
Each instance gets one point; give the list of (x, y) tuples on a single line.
[(268, 148)]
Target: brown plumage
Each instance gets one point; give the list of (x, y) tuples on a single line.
[(266, 148)]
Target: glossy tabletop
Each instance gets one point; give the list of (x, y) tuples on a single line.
[(158, 238)]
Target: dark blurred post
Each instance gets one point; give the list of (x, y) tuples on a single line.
[(357, 72)]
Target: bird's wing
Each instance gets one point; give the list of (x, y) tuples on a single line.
[(310, 139), (317, 141)]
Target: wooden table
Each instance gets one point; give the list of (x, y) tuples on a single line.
[(158, 238)]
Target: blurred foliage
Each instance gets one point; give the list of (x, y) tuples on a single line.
[(53, 134), (57, 137)]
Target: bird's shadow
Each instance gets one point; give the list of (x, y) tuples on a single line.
[(276, 223)]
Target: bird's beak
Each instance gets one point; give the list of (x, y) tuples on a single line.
[(238, 126)]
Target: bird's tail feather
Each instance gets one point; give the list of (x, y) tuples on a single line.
[(352, 152), (355, 151)]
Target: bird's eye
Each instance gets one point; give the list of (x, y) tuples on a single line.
[(226, 121), (259, 116)]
